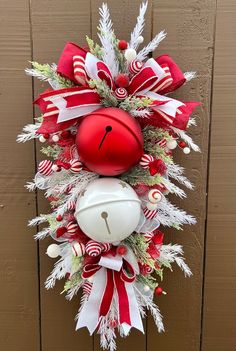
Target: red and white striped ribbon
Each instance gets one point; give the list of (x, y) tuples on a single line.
[(149, 214), (79, 69)]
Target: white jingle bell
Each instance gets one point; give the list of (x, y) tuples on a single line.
[(53, 250), (109, 210), (78, 249), (151, 206), (171, 144), (154, 196)]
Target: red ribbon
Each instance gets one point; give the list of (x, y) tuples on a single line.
[(115, 282), (155, 244), (171, 78), (76, 96), (65, 64), (157, 166)]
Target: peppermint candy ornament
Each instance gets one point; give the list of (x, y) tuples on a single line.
[(145, 161), (154, 196), (72, 227), (45, 167), (146, 269), (76, 166), (154, 166), (105, 247), (78, 249), (162, 142), (135, 66), (71, 205), (121, 93), (93, 248)]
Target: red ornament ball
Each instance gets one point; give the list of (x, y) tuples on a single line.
[(122, 80), (122, 44), (59, 218), (121, 250), (121, 93), (109, 141), (158, 290), (182, 144), (46, 136)]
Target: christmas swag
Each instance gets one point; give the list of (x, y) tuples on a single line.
[(110, 126)]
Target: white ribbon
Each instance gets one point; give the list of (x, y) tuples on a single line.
[(170, 107), (68, 113), (89, 315)]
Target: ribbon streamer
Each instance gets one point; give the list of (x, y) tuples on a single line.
[(113, 276)]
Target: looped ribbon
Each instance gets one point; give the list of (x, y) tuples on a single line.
[(62, 108), (155, 244), (113, 278), (157, 166)]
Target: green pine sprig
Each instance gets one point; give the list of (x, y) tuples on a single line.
[(103, 90), (46, 72)]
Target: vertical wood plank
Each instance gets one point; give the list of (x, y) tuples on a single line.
[(19, 313), (219, 315), (190, 33), (54, 23), (123, 14)]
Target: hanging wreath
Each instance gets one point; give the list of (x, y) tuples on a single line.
[(109, 126)]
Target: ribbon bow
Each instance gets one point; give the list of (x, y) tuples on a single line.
[(62, 108), (113, 276)]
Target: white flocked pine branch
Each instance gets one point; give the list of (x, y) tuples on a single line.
[(186, 138), (142, 55), (28, 133), (106, 36), (57, 273), (138, 29), (190, 75)]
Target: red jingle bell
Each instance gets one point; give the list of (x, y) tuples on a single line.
[(109, 141)]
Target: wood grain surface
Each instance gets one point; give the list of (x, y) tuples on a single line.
[(219, 313), (199, 313)]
